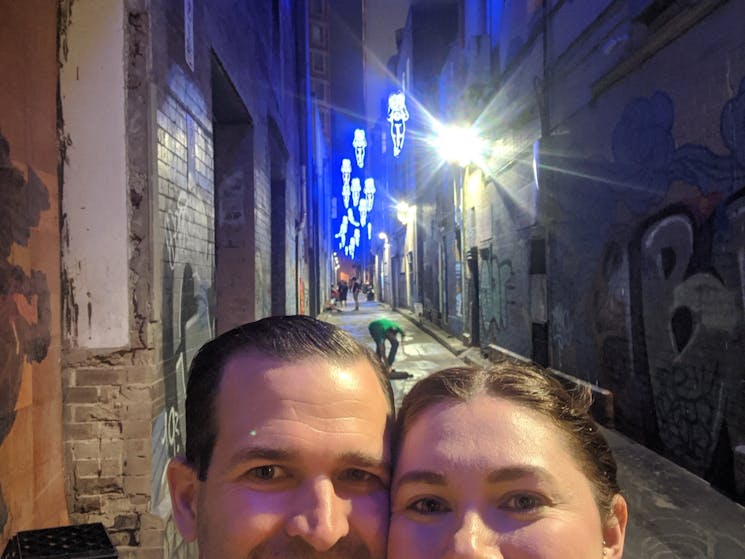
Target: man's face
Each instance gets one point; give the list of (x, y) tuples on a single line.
[(300, 466)]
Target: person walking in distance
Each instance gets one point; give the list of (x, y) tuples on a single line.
[(343, 288), (356, 287)]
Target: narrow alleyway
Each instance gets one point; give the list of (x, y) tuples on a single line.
[(419, 355), (673, 514)]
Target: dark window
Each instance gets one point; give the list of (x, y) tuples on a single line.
[(538, 256), (318, 90), (318, 7), (318, 36), (659, 12), (318, 63), (276, 22)]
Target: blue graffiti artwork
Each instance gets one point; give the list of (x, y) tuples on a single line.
[(646, 159), (643, 145)]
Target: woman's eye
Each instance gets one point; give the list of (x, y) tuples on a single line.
[(523, 502), (428, 505), (266, 473)]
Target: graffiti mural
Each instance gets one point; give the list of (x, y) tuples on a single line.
[(669, 311), (25, 311), (690, 321), (187, 220), (496, 285)]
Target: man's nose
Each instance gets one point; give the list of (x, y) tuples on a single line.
[(473, 539), (321, 516)]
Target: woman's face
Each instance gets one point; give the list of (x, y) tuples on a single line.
[(489, 478)]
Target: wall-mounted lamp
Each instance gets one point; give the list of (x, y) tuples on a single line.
[(405, 213)]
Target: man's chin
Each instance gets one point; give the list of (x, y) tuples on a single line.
[(296, 548)]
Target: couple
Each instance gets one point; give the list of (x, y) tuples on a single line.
[(292, 451)]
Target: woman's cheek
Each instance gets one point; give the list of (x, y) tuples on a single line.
[(411, 540)]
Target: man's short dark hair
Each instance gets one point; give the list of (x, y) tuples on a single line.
[(287, 338)]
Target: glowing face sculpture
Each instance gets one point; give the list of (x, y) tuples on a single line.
[(353, 244), (350, 218), (363, 211), (356, 189), (359, 143), (369, 193), (342, 234), (397, 116), (346, 174)]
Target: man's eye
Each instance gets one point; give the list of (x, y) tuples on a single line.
[(266, 473), (428, 506), (357, 476), (523, 502)]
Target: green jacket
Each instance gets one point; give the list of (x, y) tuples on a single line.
[(378, 328)]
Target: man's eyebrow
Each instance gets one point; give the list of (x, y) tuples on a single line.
[(363, 460), (261, 453), (271, 454), (421, 476), (512, 473)]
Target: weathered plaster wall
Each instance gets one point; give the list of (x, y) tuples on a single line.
[(109, 392), (94, 206), (31, 472)]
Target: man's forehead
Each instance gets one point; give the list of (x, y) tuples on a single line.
[(265, 402), (254, 364), (269, 374)]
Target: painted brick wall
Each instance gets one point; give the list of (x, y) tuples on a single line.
[(642, 210)]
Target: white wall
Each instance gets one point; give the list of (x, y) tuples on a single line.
[(95, 177)]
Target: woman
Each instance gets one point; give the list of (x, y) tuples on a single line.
[(502, 463)]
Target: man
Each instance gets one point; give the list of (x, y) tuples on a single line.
[(288, 425), (381, 330)]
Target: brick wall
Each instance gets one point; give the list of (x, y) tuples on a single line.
[(640, 193)]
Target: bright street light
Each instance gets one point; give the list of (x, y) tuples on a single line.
[(461, 145), (405, 212)]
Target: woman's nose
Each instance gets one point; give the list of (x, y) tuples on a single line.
[(321, 516), (473, 539)]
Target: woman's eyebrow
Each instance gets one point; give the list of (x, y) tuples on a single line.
[(512, 473), (421, 476)]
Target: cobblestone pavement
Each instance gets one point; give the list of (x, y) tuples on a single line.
[(673, 514)]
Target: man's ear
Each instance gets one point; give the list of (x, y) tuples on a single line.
[(183, 484), (614, 530)]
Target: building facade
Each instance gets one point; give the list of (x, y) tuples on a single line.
[(597, 229)]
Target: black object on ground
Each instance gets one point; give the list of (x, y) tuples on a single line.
[(399, 375), (88, 541)]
